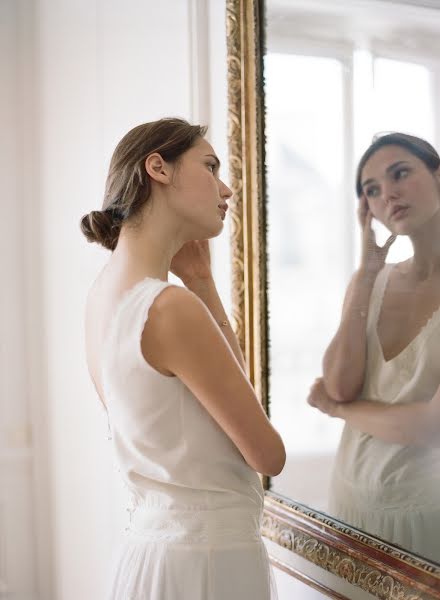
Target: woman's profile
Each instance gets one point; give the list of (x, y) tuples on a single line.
[(381, 371), (188, 431)]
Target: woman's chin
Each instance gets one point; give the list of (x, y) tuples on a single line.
[(216, 231)]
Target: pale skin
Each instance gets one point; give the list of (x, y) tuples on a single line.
[(184, 336), (403, 194)]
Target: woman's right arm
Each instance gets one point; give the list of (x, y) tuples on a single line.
[(345, 358), (182, 338)]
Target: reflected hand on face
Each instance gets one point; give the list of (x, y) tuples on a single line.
[(193, 261), (319, 398), (373, 256)]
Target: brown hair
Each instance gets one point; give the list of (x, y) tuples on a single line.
[(128, 185), (417, 146)]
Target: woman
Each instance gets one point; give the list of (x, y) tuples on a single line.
[(188, 431), (381, 372)]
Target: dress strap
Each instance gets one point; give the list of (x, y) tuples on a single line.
[(377, 295), (141, 301), (123, 343)]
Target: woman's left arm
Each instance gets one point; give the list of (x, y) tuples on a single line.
[(206, 290), (192, 264), (413, 424)]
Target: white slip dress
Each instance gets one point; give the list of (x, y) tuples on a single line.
[(390, 490), (196, 505)]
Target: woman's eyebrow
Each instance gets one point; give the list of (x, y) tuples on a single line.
[(388, 170), (396, 164)]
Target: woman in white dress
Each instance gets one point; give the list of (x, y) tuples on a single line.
[(188, 431), (381, 371)]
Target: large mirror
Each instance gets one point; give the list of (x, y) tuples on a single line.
[(321, 79)]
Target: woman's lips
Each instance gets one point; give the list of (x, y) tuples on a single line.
[(399, 212), (223, 208)]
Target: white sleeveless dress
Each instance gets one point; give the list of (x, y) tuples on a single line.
[(194, 531), (389, 490)]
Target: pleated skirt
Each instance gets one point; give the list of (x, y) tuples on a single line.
[(214, 557)]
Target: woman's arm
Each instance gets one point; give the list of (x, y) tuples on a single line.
[(181, 338), (413, 424), (206, 290), (192, 264), (344, 359)]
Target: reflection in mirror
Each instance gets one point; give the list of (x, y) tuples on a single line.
[(335, 77)]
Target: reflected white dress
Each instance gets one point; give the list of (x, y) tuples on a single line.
[(389, 490), (194, 531)]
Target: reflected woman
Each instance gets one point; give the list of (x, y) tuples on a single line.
[(381, 371)]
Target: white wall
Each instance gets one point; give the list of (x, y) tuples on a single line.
[(105, 66), (19, 499)]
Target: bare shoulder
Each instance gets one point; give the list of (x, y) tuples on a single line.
[(176, 306), (175, 316)]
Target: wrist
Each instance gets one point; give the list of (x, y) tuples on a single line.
[(198, 283), (340, 410)]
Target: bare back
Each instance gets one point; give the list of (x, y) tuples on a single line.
[(101, 302), (104, 297)]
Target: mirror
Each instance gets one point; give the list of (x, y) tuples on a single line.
[(334, 77), (309, 85)]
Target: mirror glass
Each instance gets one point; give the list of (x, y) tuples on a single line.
[(335, 76)]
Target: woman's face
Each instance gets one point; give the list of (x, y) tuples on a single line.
[(202, 196), (401, 192)]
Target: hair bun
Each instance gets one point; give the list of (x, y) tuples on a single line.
[(101, 227)]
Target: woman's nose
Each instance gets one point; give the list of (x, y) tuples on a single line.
[(225, 192), (390, 191)]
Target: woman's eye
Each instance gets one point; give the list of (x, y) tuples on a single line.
[(401, 173), (372, 192), (212, 167)]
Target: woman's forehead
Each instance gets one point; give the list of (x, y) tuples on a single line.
[(203, 147), (383, 158)]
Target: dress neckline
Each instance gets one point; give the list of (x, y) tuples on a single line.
[(420, 334)]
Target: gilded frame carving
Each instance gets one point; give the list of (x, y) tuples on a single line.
[(362, 560)]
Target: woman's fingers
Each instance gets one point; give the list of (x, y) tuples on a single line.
[(362, 210), (368, 232), (317, 393)]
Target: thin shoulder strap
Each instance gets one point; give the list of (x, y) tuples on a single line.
[(125, 332), (377, 295), (136, 306)]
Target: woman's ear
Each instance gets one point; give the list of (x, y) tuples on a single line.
[(157, 168)]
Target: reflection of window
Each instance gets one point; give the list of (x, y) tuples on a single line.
[(307, 216), (324, 102)]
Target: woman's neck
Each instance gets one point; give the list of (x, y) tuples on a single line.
[(147, 249), (426, 244)]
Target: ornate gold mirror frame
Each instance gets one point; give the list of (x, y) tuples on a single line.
[(361, 560)]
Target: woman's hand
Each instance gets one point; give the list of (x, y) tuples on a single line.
[(319, 398), (192, 262), (373, 256)]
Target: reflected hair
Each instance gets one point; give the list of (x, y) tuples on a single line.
[(416, 146), (128, 185)]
